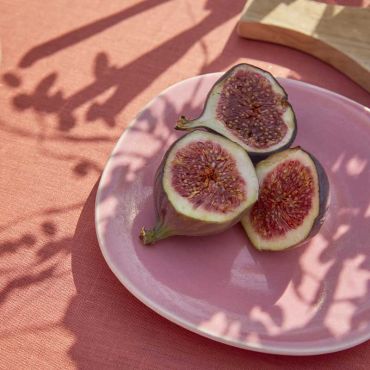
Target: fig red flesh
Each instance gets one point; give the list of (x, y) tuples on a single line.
[(285, 199), (207, 175), (252, 110)]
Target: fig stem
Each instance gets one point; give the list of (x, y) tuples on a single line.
[(151, 236), (182, 123)]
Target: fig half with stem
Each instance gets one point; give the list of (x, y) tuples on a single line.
[(248, 106), (292, 203), (203, 186)]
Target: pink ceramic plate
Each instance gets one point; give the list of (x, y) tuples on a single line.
[(309, 300)]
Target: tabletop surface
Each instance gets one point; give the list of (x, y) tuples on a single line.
[(72, 77)]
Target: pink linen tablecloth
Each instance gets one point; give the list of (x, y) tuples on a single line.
[(73, 75)]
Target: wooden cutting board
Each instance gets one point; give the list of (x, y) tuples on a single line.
[(339, 35)]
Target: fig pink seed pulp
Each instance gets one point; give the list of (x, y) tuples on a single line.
[(285, 199), (207, 175), (252, 110)]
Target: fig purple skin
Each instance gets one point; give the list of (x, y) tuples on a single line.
[(248, 106), (175, 213), (324, 198), (294, 198)]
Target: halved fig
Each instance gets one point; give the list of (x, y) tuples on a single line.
[(203, 186), (292, 203), (248, 106)]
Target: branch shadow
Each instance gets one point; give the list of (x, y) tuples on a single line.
[(83, 33), (125, 80), (45, 245)]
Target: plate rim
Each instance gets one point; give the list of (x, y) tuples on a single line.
[(246, 344)]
